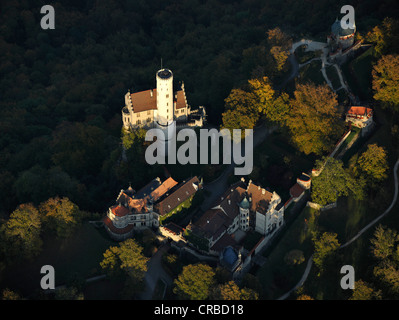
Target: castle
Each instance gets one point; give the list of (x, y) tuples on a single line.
[(341, 42), (158, 108), (143, 209), (244, 206)]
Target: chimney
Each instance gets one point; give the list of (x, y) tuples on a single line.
[(151, 93)]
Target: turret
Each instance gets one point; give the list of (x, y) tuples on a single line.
[(244, 214), (165, 111)]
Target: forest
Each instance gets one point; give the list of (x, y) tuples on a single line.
[(62, 90)]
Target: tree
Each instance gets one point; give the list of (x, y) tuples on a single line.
[(280, 44), (195, 282), (68, 293), (304, 297), (387, 272), (373, 164), (363, 291), (126, 259), (314, 118), (324, 245), (10, 295), (383, 243), (230, 291), (385, 37), (294, 257), (78, 148), (274, 107), (335, 181), (134, 139), (60, 216), (21, 233), (234, 119), (385, 248), (386, 81)]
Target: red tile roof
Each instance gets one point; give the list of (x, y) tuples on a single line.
[(213, 223), (260, 198), (181, 100), (360, 111), (108, 223), (185, 191), (225, 241), (163, 188), (143, 101), (296, 190), (231, 200), (119, 210)]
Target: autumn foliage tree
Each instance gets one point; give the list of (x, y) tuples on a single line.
[(386, 81), (195, 282), (60, 216), (314, 118), (385, 249), (373, 164), (334, 181), (280, 44), (20, 234), (241, 111), (364, 291), (231, 291), (127, 258), (385, 37), (273, 105), (324, 245)]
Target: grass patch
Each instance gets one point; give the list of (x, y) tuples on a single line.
[(312, 73), (348, 140), (358, 74), (303, 56), (333, 77), (362, 67), (79, 255), (276, 276)]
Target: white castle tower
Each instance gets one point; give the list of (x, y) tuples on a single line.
[(165, 107)]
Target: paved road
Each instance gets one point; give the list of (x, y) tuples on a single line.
[(154, 272), (372, 223)]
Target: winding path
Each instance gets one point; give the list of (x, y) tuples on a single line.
[(372, 223), (313, 46)]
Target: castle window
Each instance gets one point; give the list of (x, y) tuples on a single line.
[(138, 122), (167, 96)]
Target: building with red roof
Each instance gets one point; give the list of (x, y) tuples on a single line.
[(242, 207), (144, 109), (138, 210), (359, 116)]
